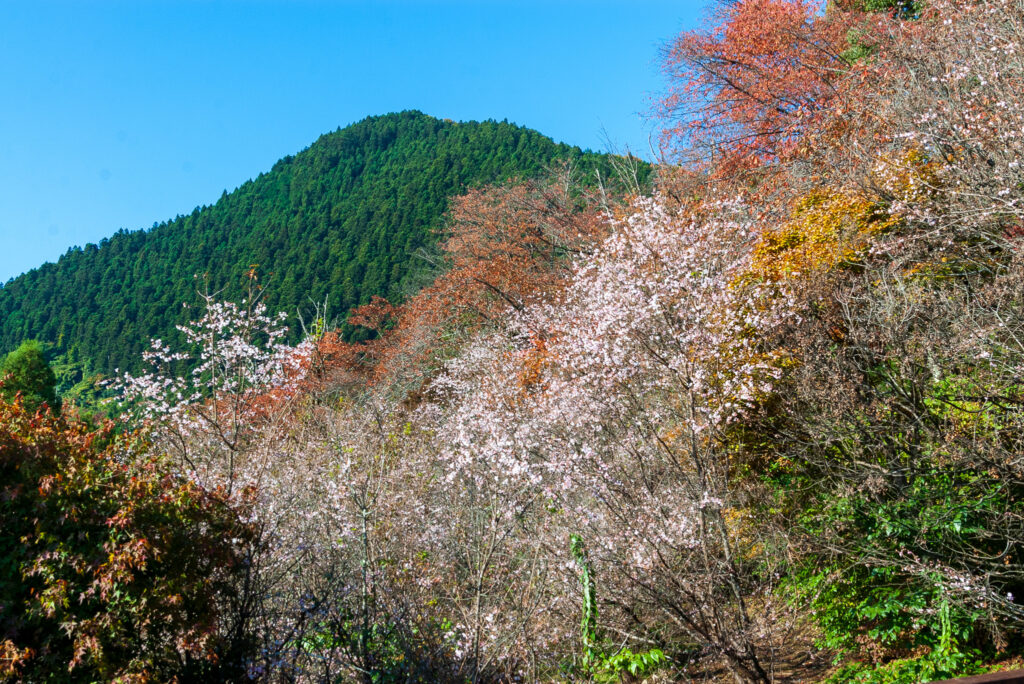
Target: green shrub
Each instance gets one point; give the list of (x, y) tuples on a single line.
[(110, 568)]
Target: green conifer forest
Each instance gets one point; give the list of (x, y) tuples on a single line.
[(340, 221)]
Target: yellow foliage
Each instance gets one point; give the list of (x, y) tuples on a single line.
[(742, 527), (830, 227), (826, 228), (911, 177), (931, 270)]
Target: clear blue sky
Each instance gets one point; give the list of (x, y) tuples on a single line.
[(119, 114)]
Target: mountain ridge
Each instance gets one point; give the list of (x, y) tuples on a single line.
[(339, 220)]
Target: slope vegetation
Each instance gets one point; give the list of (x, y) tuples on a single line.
[(341, 219)]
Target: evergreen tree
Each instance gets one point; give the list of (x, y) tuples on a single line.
[(344, 219), (26, 371)]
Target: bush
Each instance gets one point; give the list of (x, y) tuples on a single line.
[(25, 371), (110, 568)]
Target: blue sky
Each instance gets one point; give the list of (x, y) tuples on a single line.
[(120, 114)]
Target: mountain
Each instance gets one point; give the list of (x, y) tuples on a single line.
[(340, 220)]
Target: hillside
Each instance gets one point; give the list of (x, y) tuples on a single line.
[(761, 425), (341, 219)]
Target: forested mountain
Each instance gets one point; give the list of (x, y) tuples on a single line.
[(341, 219)]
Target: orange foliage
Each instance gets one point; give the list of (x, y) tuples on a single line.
[(505, 248), (336, 364), (534, 361), (112, 565), (747, 84), (375, 315)]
